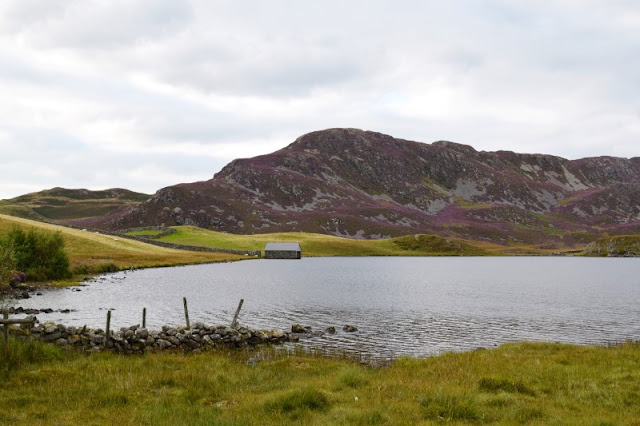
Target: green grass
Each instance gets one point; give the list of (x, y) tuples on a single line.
[(327, 245), (514, 384), (94, 253), (149, 232)]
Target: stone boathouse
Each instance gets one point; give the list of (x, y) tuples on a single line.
[(282, 251)]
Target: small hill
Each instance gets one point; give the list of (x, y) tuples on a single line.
[(61, 204)]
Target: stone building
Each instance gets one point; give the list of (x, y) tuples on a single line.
[(282, 251)]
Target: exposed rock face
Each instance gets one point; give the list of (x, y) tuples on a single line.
[(361, 184)]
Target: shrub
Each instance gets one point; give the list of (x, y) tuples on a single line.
[(41, 255)]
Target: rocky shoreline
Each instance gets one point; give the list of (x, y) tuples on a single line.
[(138, 340)]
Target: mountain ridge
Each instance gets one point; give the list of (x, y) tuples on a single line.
[(363, 184)]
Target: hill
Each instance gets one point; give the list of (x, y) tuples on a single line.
[(61, 204), (366, 185), (91, 252)]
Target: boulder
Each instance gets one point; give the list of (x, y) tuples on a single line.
[(349, 328), (297, 328)]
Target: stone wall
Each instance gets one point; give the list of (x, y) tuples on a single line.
[(138, 340)]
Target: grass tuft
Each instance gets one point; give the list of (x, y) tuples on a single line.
[(450, 407), (496, 385), (298, 400)]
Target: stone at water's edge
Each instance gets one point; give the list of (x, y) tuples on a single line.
[(297, 328), (349, 328)]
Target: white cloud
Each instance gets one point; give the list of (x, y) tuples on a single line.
[(175, 89)]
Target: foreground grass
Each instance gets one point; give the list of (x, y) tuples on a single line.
[(327, 245), (90, 252), (513, 384)]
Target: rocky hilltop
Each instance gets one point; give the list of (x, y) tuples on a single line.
[(363, 184)]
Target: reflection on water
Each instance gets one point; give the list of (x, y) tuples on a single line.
[(401, 306)]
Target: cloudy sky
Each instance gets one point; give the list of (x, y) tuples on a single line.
[(149, 93)]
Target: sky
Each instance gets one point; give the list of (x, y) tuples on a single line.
[(143, 94)]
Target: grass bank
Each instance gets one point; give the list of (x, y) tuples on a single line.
[(513, 384), (327, 245), (94, 253)]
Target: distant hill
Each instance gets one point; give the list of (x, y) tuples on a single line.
[(60, 204), (362, 184)]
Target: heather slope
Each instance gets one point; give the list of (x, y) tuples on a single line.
[(360, 184), (61, 204)]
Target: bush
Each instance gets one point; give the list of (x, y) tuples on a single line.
[(41, 255)]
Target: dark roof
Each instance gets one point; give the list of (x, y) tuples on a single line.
[(282, 247)]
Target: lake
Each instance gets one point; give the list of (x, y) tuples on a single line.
[(402, 306)]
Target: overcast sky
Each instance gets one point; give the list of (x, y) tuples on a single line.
[(146, 94)]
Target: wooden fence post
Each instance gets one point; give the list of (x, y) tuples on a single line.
[(106, 341), (144, 317), (5, 315), (234, 323), (5, 322), (186, 313)]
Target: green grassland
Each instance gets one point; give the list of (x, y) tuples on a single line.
[(89, 251), (327, 245), (523, 383)]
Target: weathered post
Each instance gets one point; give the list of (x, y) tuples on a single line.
[(186, 313), (144, 317), (234, 323), (106, 341), (5, 315)]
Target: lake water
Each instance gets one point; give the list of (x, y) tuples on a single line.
[(412, 306)]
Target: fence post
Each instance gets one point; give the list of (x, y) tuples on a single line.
[(234, 323), (5, 315), (106, 341), (186, 313), (144, 317)]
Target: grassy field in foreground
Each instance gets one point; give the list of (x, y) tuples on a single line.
[(514, 384), (91, 250), (327, 245)]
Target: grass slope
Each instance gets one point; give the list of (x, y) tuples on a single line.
[(327, 245), (92, 250), (514, 384)]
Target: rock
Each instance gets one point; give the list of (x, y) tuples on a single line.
[(142, 333), (349, 328), (297, 328), (331, 330)]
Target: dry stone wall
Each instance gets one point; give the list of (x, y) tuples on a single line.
[(138, 340)]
